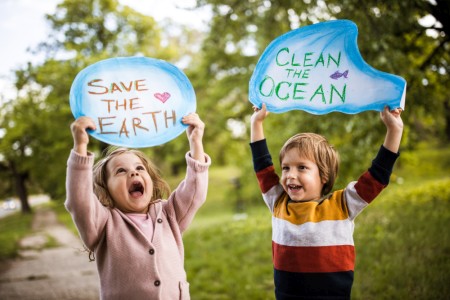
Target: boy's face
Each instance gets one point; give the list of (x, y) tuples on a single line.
[(129, 183), (300, 177)]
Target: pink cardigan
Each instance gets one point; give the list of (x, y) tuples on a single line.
[(130, 265)]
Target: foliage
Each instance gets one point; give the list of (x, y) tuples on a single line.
[(392, 38), (35, 126)]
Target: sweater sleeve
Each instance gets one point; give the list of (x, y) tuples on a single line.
[(268, 180), (88, 214), (373, 181), (263, 166), (190, 194)]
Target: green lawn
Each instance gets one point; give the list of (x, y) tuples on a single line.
[(12, 229), (402, 240)]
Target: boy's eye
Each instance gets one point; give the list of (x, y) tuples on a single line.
[(285, 168), (301, 167)]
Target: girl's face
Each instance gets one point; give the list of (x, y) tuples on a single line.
[(300, 177), (129, 183)]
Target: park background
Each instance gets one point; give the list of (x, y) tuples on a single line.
[(402, 239)]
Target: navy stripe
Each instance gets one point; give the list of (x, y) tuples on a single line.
[(334, 286), (261, 155), (383, 164)]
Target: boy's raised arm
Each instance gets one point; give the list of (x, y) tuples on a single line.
[(257, 120), (394, 128)]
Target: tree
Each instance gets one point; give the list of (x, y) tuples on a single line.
[(37, 139), (392, 38)]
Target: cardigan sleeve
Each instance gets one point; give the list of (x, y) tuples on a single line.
[(88, 214), (190, 194)]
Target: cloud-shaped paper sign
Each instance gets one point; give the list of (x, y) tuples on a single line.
[(319, 69), (134, 101)]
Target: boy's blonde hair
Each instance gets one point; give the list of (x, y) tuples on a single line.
[(160, 187), (317, 149)]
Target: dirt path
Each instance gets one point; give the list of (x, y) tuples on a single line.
[(61, 272)]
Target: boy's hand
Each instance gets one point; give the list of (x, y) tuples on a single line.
[(259, 114), (257, 120), (195, 135), (392, 119), (80, 136), (394, 125)]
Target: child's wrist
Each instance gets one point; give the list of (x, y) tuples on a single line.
[(81, 149)]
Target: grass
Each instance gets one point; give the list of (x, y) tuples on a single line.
[(12, 229), (402, 243)]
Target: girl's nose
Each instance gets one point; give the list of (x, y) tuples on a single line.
[(134, 173)]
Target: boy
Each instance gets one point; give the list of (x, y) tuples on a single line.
[(312, 231)]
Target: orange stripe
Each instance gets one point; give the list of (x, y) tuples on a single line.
[(314, 259), (299, 213)]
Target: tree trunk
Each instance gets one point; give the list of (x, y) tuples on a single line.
[(20, 179)]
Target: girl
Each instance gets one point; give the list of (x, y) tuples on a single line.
[(136, 236)]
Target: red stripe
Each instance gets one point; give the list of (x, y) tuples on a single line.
[(267, 178), (323, 259), (368, 187)]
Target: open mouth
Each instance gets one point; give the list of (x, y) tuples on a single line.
[(136, 189), (294, 187)]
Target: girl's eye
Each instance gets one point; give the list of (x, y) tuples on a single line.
[(140, 168), (285, 168), (120, 170), (301, 167)]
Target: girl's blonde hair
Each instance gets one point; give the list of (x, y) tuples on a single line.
[(160, 187), (317, 149)]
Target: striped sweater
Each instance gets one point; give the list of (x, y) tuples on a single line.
[(312, 242)]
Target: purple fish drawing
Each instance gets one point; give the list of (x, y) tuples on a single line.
[(336, 75)]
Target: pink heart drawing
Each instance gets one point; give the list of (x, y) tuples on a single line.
[(162, 97)]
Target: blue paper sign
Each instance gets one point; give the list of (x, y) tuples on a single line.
[(134, 101), (319, 69)]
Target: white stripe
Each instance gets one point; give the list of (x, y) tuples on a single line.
[(325, 233), (272, 195), (355, 203)]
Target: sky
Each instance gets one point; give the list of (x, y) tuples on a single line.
[(23, 26)]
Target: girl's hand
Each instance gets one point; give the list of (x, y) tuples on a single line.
[(196, 127), (80, 136), (195, 135)]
